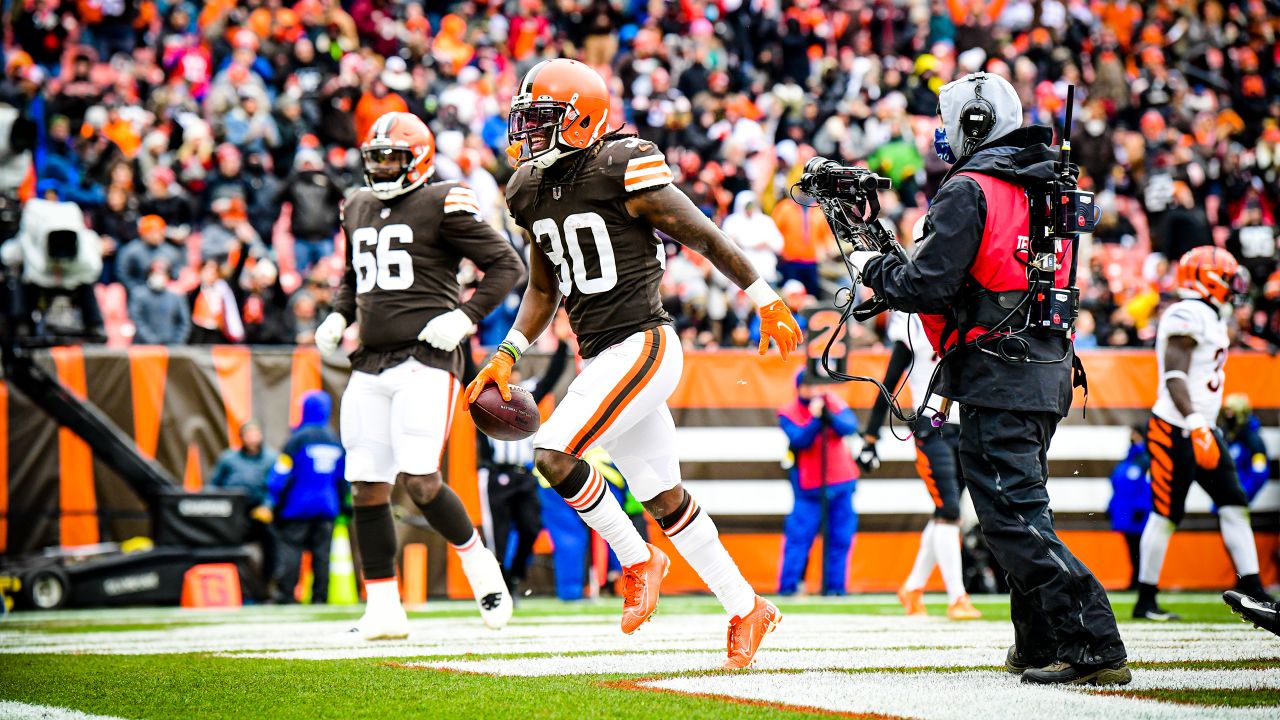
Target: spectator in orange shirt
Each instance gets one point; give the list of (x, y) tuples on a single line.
[(450, 47), (806, 241), (376, 102)]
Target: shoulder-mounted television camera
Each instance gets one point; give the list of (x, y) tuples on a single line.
[(849, 201), (847, 196)]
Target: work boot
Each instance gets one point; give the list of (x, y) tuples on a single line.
[(1063, 673), (1014, 663)]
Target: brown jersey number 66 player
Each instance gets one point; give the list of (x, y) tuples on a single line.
[(591, 201), (405, 238)]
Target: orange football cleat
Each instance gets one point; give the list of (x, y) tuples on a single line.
[(745, 633), (640, 585), (912, 601), (963, 609)]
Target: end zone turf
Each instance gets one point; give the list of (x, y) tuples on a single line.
[(853, 657)]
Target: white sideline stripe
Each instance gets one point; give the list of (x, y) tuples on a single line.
[(909, 496), (14, 710), (854, 640), (946, 696)]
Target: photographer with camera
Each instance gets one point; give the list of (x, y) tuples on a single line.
[(1007, 359)]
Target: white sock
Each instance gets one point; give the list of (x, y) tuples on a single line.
[(601, 512), (946, 543), (382, 592), (1238, 537), (470, 548), (926, 558), (698, 541), (1152, 547)]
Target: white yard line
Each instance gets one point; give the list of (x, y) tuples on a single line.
[(12, 710), (961, 696)]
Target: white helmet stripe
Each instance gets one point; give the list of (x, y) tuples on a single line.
[(526, 87)]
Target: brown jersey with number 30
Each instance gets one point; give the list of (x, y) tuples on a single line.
[(608, 263)]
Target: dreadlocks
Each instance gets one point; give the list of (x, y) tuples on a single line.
[(570, 176)]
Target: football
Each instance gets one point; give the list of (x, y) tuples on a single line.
[(514, 419)]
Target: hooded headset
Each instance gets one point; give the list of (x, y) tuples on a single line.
[(977, 118)]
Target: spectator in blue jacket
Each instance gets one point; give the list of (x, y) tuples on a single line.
[(816, 424), (1243, 433), (305, 493), (1131, 496)]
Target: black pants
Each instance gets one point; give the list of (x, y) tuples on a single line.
[(1058, 608), (514, 504), (295, 537), (937, 462), (265, 535), (1174, 468)]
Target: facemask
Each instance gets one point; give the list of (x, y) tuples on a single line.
[(942, 147), (1095, 127), (157, 281)]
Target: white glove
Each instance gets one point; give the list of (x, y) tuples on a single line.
[(859, 259), (329, 334), (444, 332)]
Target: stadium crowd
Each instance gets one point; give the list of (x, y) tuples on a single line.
[(209, 144)]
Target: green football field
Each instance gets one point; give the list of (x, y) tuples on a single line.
[(854, 657)]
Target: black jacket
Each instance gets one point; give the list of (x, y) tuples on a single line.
[(937, 280), (315, 197)]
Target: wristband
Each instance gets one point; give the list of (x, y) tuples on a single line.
[(1175, 374), (509, 349), (761, 294), (515, 344)]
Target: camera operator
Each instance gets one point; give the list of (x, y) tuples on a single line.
[(970, 275), (56, 254)]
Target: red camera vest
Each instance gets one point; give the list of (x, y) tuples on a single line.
[(1000, 263)]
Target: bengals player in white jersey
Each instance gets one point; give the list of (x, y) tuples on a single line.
[(591, 201), (405, 238), (1185, 446), (937, 463)]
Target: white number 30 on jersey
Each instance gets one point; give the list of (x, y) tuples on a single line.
[(377, 263), (574, 274)]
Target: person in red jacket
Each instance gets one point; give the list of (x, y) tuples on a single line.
[(816, 424)]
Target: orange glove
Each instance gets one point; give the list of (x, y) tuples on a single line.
[(1204, 442), (776, 322), (497, 371)]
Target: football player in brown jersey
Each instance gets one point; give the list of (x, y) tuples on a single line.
[(591, 201), (405, 238)]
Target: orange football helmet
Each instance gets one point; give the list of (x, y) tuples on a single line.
[(399, 155), (1210, 273), (560, 107)]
